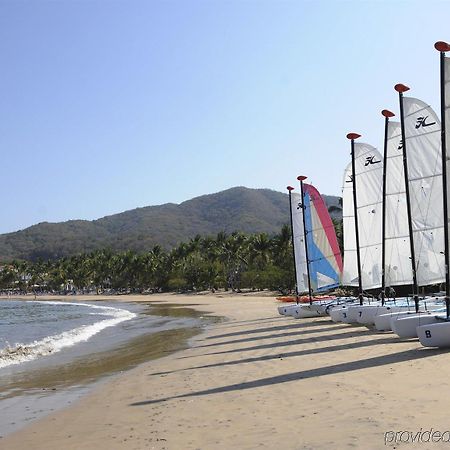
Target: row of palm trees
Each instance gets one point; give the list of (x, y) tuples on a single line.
[(229, 261)]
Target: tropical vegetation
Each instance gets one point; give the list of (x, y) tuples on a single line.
[(247, 210), (227, 261)]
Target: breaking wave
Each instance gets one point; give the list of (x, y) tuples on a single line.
[(19, 352)]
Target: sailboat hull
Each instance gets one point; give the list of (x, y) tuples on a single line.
[(366, 315), (406, 327), (434, 334), (339, 313), (383, 322), (369, 314), (336, 314), (285, 310), (354, 312), (304, 311)]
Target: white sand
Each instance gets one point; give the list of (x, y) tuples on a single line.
[(260, 380)]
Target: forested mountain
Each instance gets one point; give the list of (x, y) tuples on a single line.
[(236, 209)]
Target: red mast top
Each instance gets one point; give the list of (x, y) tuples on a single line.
[(290, 188), (301, 178), (387, 113), (353, 136), (442, 46), (401, 87)]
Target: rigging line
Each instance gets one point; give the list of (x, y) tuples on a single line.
[(395, 193), (425, 178)]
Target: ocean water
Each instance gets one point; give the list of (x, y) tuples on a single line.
[(32, 329), (53, 352)]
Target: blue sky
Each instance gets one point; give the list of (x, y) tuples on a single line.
[(112, 105)]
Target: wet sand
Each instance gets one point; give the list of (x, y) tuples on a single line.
[(37, 388), (259, 380)]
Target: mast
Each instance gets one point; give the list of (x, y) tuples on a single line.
[(401, 88), (352, 137), (290, 188), (387, 114), (301, 179), (443, 47)]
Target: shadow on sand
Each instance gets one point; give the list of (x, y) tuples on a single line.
[(298, 325), (315, 339), (394, 358), (312, 351), (277, 335)]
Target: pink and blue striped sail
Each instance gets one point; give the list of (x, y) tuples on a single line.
[(324, 255)]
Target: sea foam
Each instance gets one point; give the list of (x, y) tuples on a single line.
[(20, 352)]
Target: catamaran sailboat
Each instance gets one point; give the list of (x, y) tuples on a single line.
[(436, 333), (317, 257), (423, 171), (362, 200)]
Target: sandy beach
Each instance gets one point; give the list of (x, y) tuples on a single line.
[(259, 380)]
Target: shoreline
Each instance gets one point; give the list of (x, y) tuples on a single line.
[(258, 380), (32, 389)]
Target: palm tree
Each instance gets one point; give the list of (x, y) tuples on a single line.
[(259, 250), (99, 268)]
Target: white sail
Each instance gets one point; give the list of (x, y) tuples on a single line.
[(447, 133), (298, 232), (398, 269), (423, 148), (350, 271), (369, 194)]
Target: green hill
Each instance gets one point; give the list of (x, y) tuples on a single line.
[(236, 209)]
